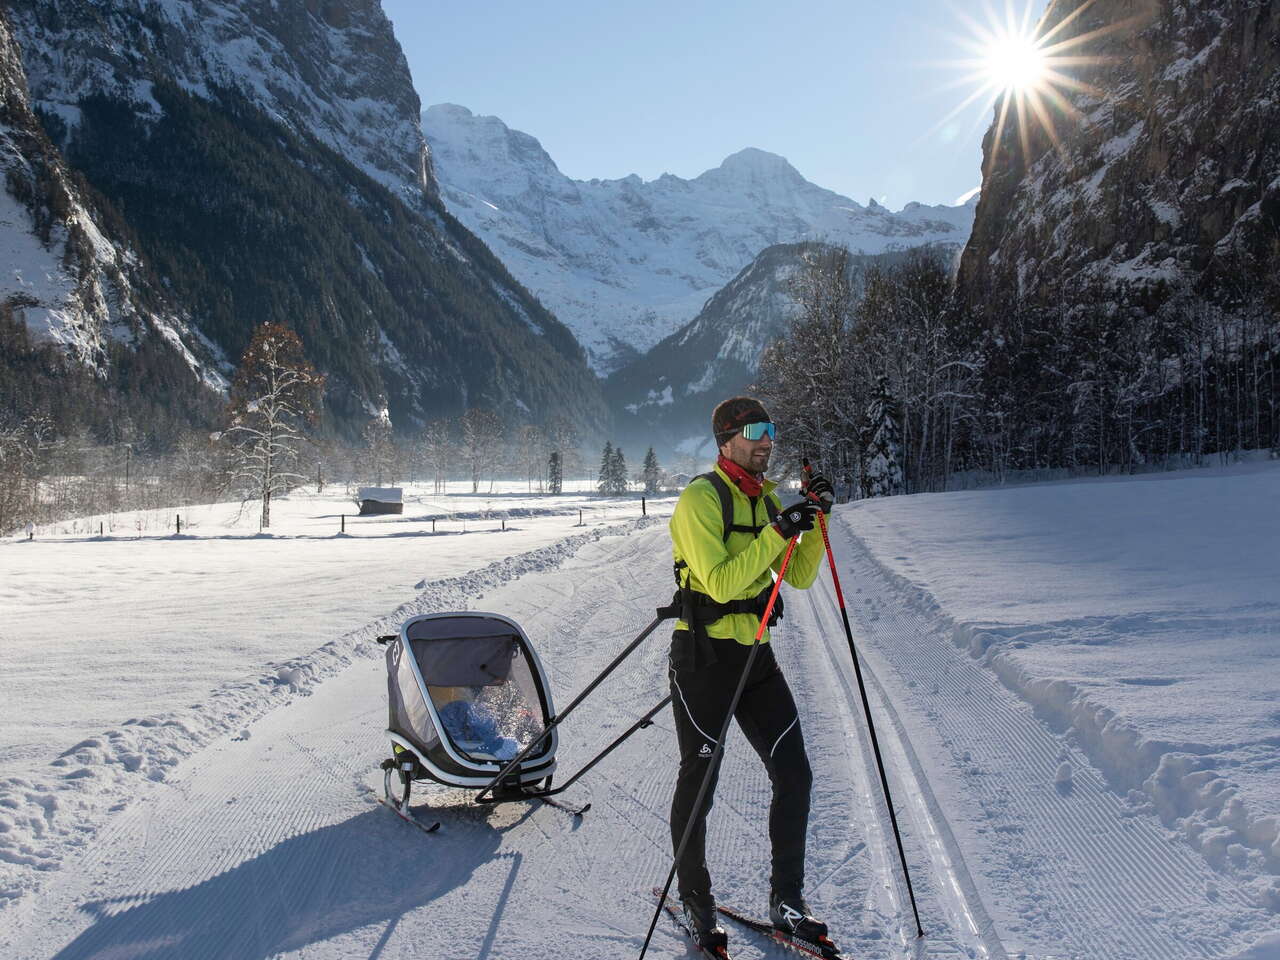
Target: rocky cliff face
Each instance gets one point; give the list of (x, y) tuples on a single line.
[(1167, 172), (624, 263), (67, 277)]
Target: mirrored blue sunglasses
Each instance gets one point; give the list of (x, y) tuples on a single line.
[(757, 431)]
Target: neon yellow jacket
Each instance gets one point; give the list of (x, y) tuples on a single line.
[(738, 569)]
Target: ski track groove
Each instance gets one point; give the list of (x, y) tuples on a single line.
[(1069, 820), (823, 679), (1133, 869), (876, 689)]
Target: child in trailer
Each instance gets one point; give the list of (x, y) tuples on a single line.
[(472, 724)]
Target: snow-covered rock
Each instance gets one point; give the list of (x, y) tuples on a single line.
[(1166, 167), (267, 159), (333, 68), (625, 263)]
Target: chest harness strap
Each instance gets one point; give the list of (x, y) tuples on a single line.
[(698, 609)]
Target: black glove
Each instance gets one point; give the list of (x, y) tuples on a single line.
[(796, 518), (820, 487)]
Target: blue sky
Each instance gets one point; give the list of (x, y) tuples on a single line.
[(854, 93)]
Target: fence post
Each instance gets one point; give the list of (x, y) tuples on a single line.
[(504, 523), (579, 518), (99, 528), (644, 512), (344, 524), (178, 517), (433, 524)]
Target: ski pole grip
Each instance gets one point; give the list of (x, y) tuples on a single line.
[(804, 487)]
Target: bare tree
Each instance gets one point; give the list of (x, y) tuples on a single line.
[(806, 377), (531, 454), (481, 442), (274, 396), (380, 451), (435, 448), (17, 476)]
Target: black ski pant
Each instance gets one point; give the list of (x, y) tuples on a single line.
[(704, 675)]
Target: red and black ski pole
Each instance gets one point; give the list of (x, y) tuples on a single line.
[(719, 748), (862, 689)]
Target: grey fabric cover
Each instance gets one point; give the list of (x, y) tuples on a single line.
[(463, 650), (407, 709), (465, 661)]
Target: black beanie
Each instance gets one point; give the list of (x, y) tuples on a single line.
[(734, 414)]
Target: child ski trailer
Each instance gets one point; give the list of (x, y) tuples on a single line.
[(469, 706), (465, 694)]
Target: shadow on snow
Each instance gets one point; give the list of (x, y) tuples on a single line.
[(310, 888)]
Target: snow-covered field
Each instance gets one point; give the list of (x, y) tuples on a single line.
[(135, 647), (1142, 616), (144, 621), (1074, 686)]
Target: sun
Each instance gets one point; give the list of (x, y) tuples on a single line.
[(1015, 63), (1025, 71)]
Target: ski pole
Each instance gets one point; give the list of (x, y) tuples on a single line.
[(719, 748), (862, 689)]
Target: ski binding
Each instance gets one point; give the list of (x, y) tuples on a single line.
[(825, 949)]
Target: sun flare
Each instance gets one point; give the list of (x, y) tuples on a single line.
[(1027, 72)]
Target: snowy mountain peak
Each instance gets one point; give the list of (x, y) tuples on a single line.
[(440, 110), (624, 263), (755, 164)]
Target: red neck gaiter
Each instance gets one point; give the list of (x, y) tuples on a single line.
[(752, 484)]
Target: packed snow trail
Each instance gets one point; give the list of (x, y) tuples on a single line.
[(272, 845)]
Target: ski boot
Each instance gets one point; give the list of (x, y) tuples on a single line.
[(700, 917), (789, 913)]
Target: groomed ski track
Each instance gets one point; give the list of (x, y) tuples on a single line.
[(273, 845)]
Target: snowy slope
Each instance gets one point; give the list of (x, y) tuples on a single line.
[(333, 69), (1141, 617), (61, 275), (266, 842), (235, 142), (163, 683), (626, 262)]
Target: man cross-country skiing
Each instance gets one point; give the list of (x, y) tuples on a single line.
[(728, 535)]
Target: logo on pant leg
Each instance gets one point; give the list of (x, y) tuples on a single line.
[(706, 750)]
